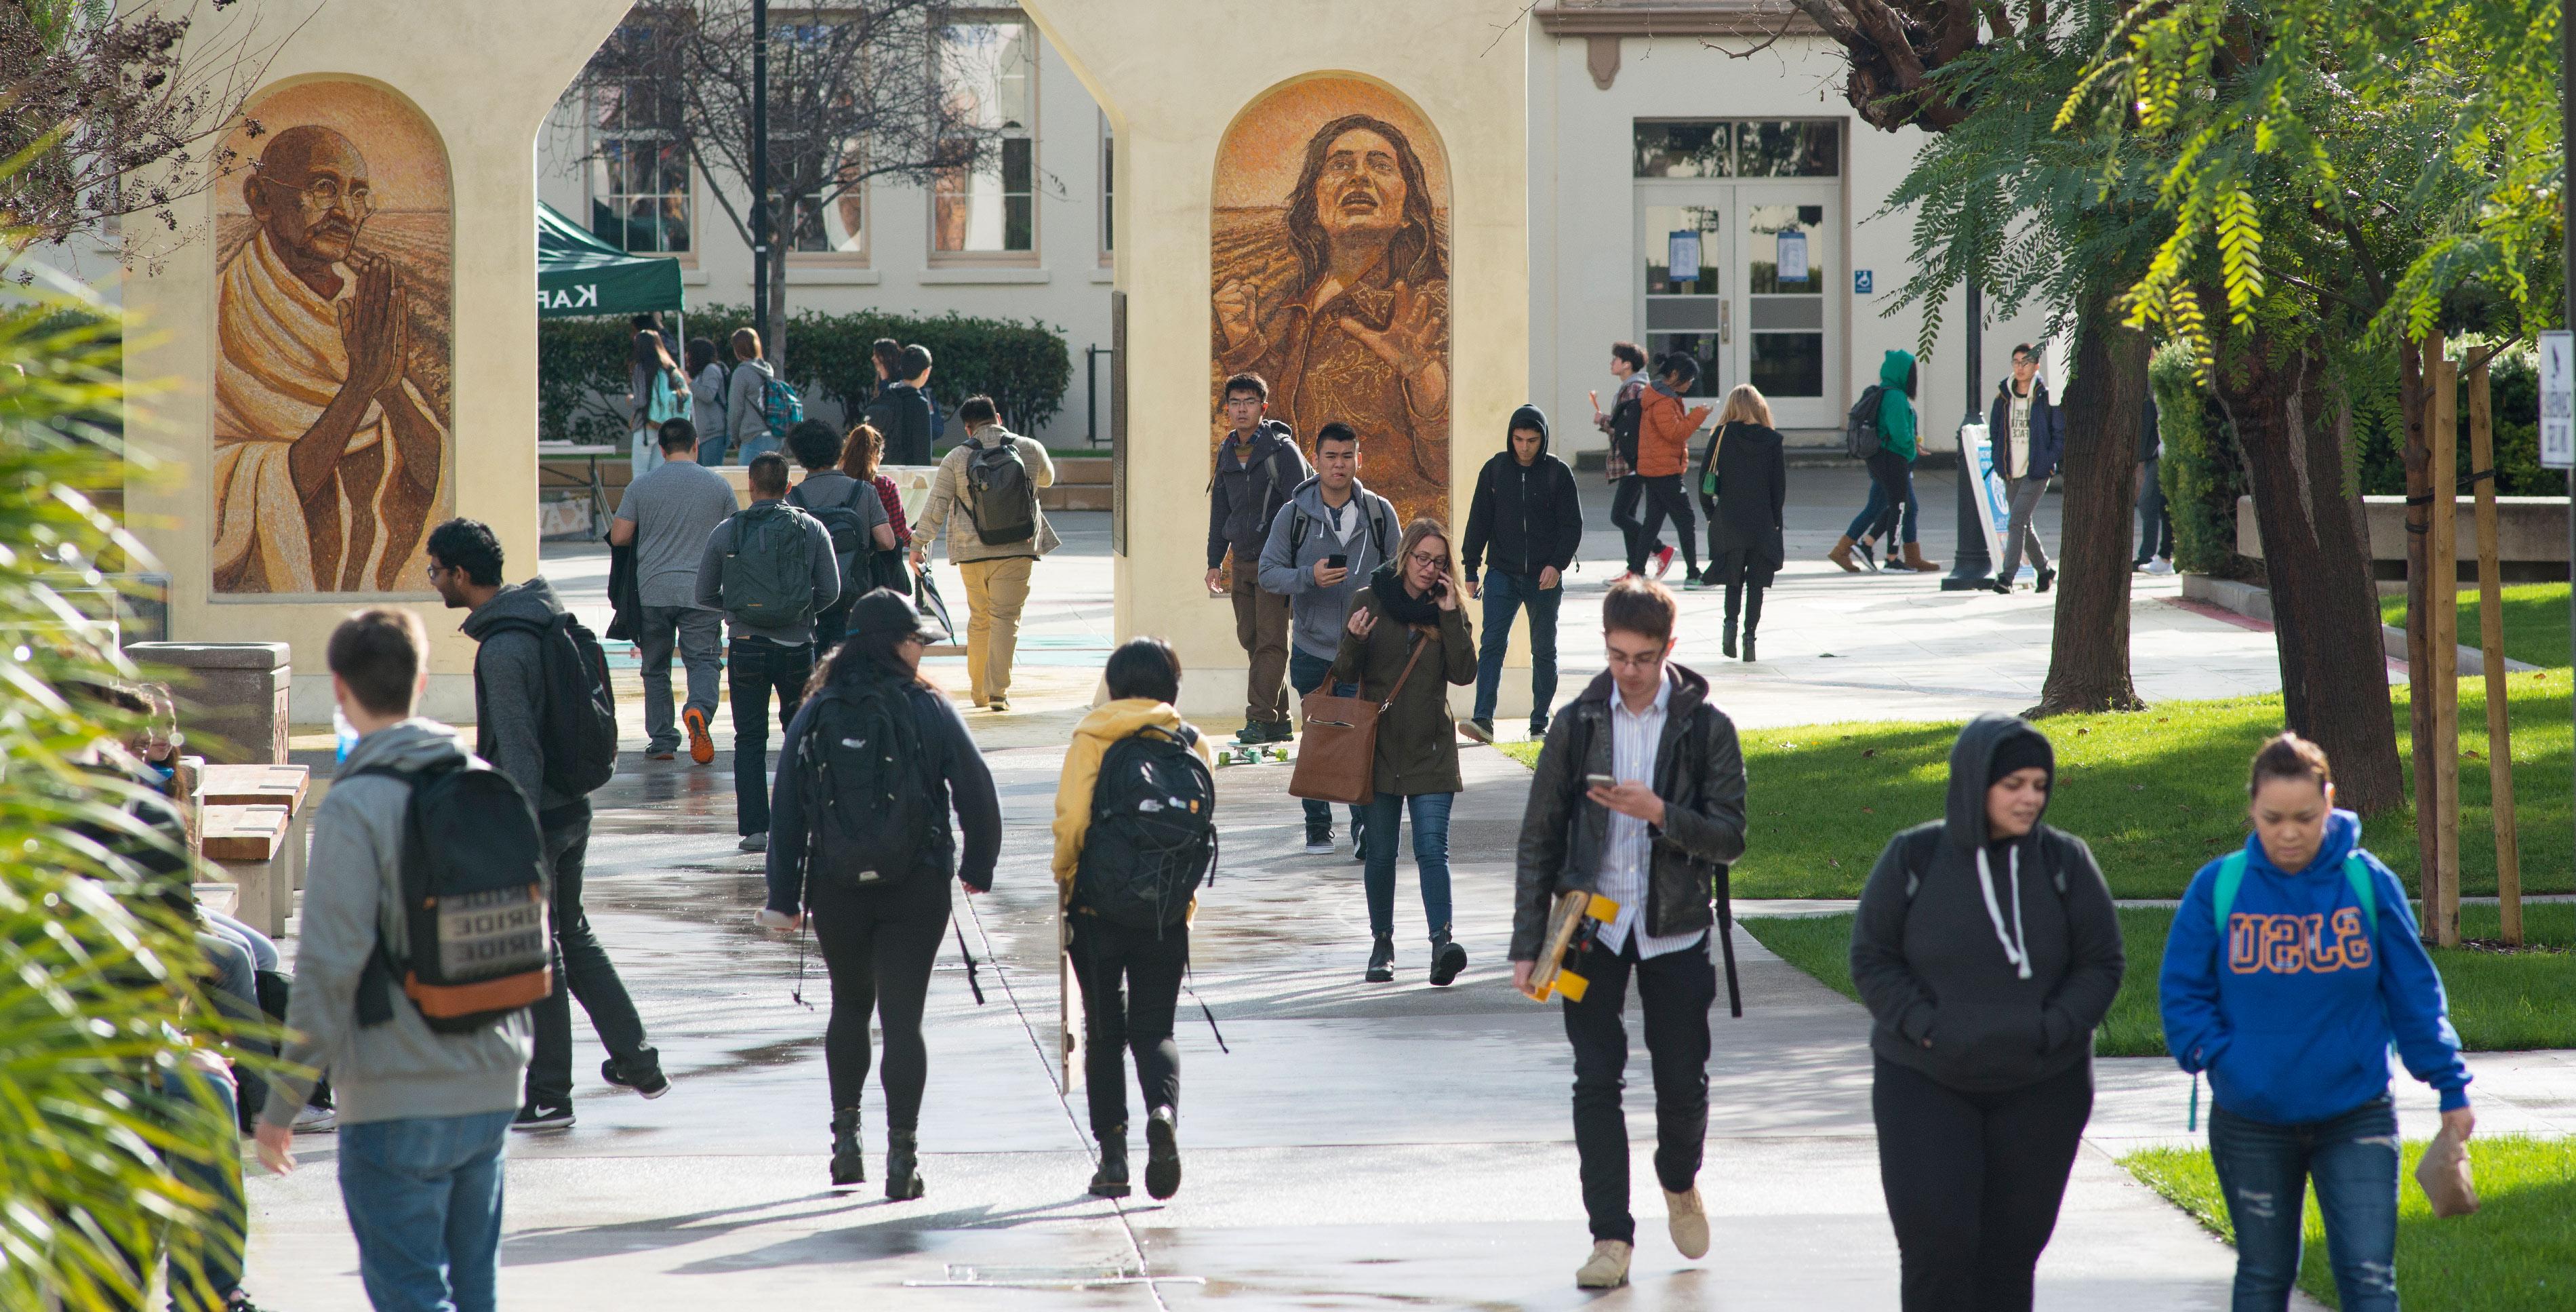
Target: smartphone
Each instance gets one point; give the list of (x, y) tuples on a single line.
[(1600, 781), (1337, 560)]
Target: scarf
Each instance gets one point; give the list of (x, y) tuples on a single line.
[(1402, 606)]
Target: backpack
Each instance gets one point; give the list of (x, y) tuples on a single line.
[(2231, 876), (666, 401), (868, 814), (1001, 498), (780, 407), (1299, 522), (849, 529), (578, 713), (765, 581), (1625, 416), (1152, 840), (1860, 427), (476, 946), (1931, 842)]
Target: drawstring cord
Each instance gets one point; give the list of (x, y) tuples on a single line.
[(2016, 944)]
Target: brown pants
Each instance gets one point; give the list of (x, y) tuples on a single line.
[(1261, 625), (995, 592)]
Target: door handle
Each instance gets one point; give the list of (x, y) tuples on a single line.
[(1725, 322)]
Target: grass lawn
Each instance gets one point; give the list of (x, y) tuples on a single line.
[(2499, 1002), (2517, 1251), (2535, 620), (2157, 793)]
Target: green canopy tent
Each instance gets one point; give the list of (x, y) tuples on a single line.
[(578, 274)]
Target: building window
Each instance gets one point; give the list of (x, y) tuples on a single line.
[(988, 69), (1713, 148), (1108, 191), (833, 222), (639, 173)]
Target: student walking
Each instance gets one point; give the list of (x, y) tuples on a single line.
[(1323, 545), (1655, 841), (666, 516), (1409, 616), (2293, 968), (1619, 424), (1528, 515), (707, 401), (863, 458), (1258, 467), (1987, 951), (657, 391), (1891, 471), (1663, 454), (2155, 518), (528, 678), (1750, 477), (771, 570), (992, 478), (424, 1112), (904, 412), (850, 511), (2028, 433), (864, 856), (747, 410), (1127, 875)]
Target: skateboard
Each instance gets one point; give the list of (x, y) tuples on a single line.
[(1242, 753), (1572, 927)]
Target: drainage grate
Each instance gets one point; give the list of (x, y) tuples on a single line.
[(963, 1276)]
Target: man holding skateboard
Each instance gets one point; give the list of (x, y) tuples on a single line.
[(1638, 799)]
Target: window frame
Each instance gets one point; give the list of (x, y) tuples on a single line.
[(865, 196), (1108, 207), (596, 169), (1028, 131), (1736, 130)]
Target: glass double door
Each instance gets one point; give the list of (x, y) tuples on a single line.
[(1736, 275)]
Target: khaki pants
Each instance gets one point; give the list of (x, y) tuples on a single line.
[(1261, 625), (995, 591)]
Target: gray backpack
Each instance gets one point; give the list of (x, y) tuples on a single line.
[(766, 580), (1001, 498)]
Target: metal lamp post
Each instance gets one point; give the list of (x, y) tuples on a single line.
[(1970, 561)]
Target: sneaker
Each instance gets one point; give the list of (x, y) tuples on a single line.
[(650, 1082), (316, 1120), (2002, 587), (2160, 565), (1001, 706), (702, 748), (1663, 561), (1278, 731), (1359, 842), (1538, 729), (758, 842), (1162, 1154), (1624, 576), (544, 1116), (2046, 577), (1687, 1217), (1607, 1268), (1480, 730), (669, 753), (1319, 840), (1696, 584)]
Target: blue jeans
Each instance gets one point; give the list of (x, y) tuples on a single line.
[(1913, 511), (756, 666), (1505, 594), (2264, 1171), (1430, 858), (424, 1198), (1306, 674)]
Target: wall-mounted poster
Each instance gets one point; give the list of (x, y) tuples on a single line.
[(1331, 276), (333, 244)]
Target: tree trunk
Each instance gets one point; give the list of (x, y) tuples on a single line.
[(2334, 670), (2415, 394), (2088, 661)]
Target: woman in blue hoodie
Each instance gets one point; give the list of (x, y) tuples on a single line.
[(2319, 974)]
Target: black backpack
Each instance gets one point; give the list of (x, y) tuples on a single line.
[(869, 816), (1152, 840), (476, 946), (1624, 418), (578, 716), (1001, 498), (849, 529), (1860, 427)]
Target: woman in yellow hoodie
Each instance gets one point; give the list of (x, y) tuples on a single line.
[(1129, 973)]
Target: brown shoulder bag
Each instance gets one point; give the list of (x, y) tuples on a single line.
[(1337, 754)]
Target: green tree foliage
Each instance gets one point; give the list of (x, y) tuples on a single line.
[(2201, 470)]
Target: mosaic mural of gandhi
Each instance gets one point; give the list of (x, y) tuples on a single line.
[(330, 431), (1342, 302)]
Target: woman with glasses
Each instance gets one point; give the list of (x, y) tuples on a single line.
[(1405, 638), (860, 847)]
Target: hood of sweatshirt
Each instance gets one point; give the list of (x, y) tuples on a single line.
[(1270, 430), (1112, 721), (1528, 416), (414, 744), (1972, 772), (1896, 372), (533, 601), (2342, 837)]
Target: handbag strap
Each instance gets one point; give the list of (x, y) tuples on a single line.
[(1420, 641)]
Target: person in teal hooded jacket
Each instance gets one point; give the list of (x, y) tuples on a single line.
[(1891, 470), (2292, 1011)]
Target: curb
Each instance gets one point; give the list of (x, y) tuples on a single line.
[(2256, 604)]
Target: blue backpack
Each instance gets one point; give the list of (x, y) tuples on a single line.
[(2231, 876)]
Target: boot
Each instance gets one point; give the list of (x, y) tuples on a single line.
[(1914, 560), (1447, 958), (1752, 619), (1734, 604), (903, 1176), (1841, 554), (849, 1165), (1381, 967), (1162, 1153), (1110, 1181)]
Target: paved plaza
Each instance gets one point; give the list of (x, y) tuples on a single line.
[(1360, 1145)]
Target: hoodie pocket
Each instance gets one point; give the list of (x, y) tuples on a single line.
[(2003, 1044)]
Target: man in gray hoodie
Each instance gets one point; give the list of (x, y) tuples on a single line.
[(510, 623), (1322, 547), (423, 1115)]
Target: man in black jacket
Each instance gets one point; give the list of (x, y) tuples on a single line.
[(1656, 842), (901, 410), (2028, 433), (1258, 467), (1527, 515)]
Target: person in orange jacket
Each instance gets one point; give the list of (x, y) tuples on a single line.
[(1663, 452)]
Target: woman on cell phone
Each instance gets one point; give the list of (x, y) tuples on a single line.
[(1410, 602)]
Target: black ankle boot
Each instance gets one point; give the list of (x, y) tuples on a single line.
[(1447, 958), (903, 1178), (1726, 643), (1381, 967), (849, 1165), (1110, 1181), (1748, 645)]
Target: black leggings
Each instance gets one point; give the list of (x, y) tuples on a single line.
[(1131, 984), (1973, 1181), (1623, 512), (1664, 500), (1890, 471), (878, 946)]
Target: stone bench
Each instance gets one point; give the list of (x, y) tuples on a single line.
[(2531, 536), (260, 849)]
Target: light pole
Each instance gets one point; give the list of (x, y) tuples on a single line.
[(760, 171), (1970, 562)]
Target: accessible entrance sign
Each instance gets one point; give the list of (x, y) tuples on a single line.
[(2557, 400)]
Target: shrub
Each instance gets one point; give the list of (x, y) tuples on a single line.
[(2202, 473)]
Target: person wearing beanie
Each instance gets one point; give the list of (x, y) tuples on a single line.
[(1526, 522), (1987, 949)]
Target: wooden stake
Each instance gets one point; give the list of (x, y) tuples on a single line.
[(2442, 915), (2421, 377), (2508, 856)]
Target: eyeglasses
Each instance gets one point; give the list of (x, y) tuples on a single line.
[(325, 192), (1636, 660), (1422, 558)]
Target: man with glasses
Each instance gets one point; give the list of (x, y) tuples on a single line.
[(328, 438), (1638, 798), (1258, 467)]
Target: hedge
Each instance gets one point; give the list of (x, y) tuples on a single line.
[(2201, 472), (2513, 391), (1024, 367)]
